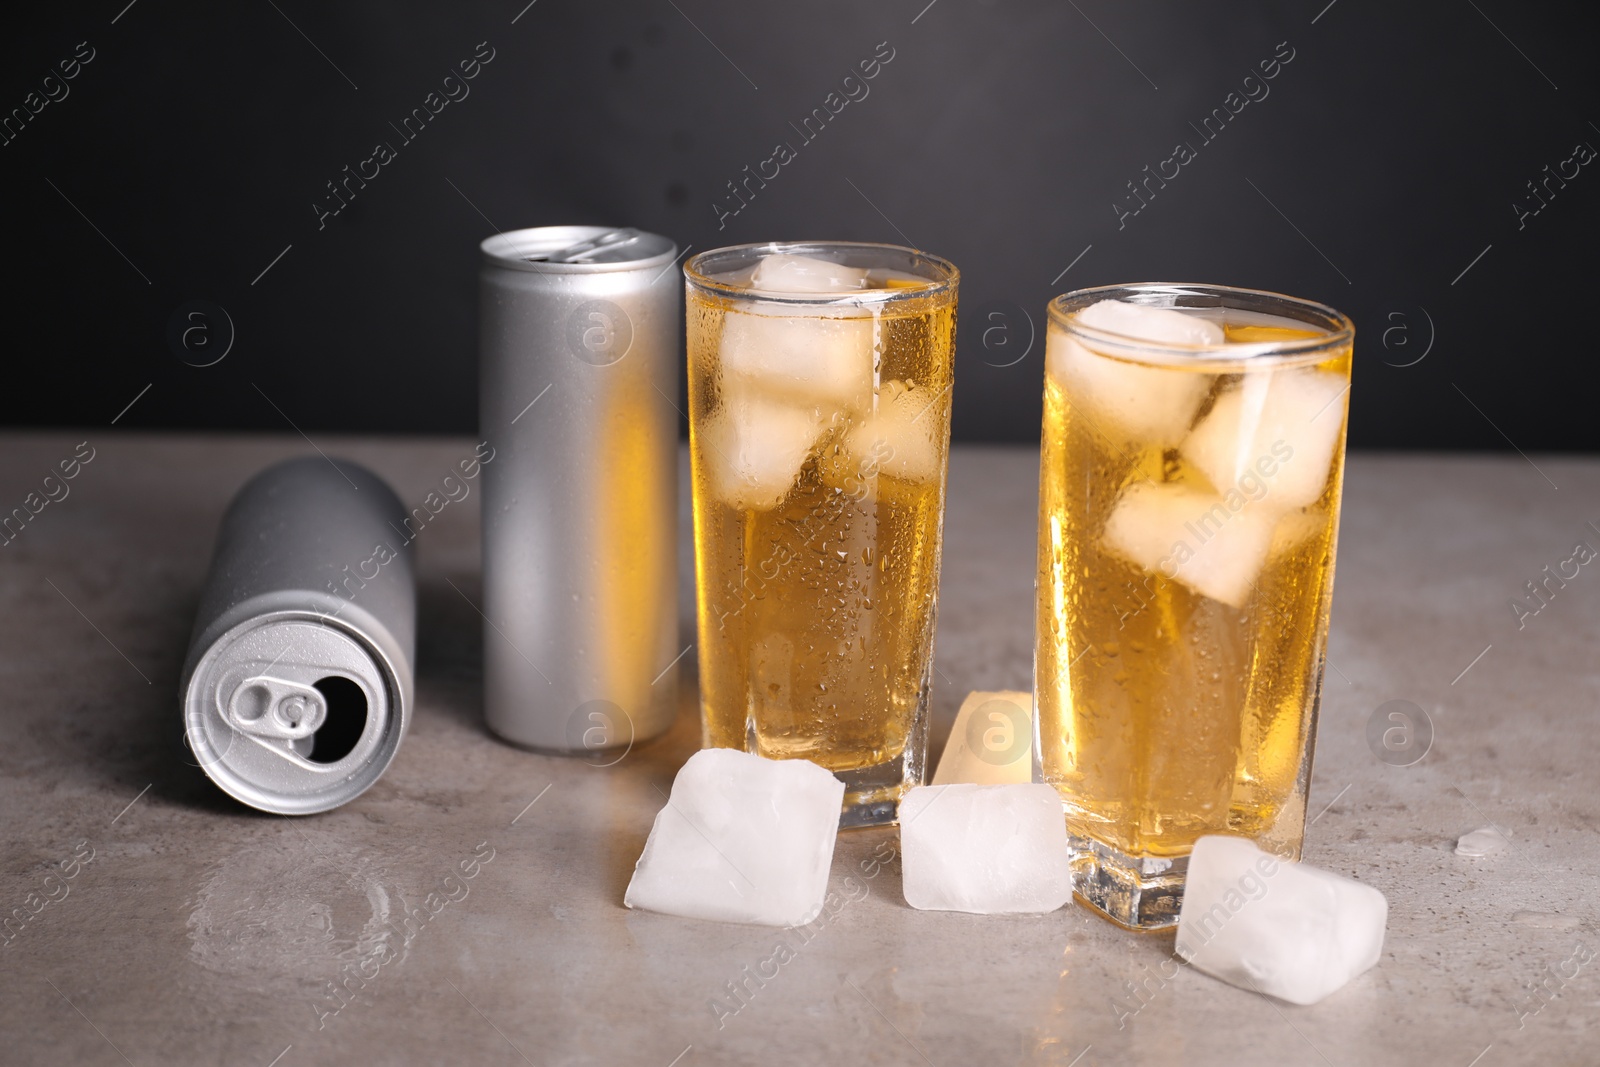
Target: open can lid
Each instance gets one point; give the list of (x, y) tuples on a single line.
[(293, 713), (578, 249)]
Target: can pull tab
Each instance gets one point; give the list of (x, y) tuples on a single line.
[(594, 246), (275, 708)]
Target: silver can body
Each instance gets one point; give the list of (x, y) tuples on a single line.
[(297, 688), (579, 331)]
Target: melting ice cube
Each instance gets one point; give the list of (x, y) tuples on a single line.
[(991, 742), (1286, 929), (754, 447), (820, 357), (1296, 528), (984, 848), (1192, 536), (903, 438), (1163, 326), (786, 273), (1484, 841), (742, 839), (1281, 427), (1130, 401)]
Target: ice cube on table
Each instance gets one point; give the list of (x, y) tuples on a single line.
[(754, 448), (821, 357), (1484, 841), (783, 272), (1289, 930), (991, 742), (985, 849), (742, 839), (1191, 535), (1280, 427), (1127, 401), (903, 438)]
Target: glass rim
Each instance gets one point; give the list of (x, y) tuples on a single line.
[(694, 274), (1339, 336)]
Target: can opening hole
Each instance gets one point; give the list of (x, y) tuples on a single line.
[(347, 718)]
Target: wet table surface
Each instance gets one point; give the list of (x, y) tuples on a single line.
[(160, 922)]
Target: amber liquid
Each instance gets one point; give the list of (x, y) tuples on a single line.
[(817, 595), (1165, 713)]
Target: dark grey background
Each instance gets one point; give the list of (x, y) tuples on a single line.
[(1379, 175)]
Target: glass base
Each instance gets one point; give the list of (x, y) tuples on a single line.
[(872, 794), (1136, 892), (867, 804)]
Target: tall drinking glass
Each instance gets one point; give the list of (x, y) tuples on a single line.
[(1192, 460), (819, 425)]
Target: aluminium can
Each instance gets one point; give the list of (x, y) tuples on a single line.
[(579, 331), (298, 683)]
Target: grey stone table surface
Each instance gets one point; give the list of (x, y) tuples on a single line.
[(162, 923)]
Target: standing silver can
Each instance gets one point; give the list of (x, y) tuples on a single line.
[(579, 332), (298, 684)]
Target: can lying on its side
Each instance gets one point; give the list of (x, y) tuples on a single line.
[(298, 684), (579, 333)]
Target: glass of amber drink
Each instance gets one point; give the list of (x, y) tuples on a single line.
[(819, 427), (1192, 460)]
